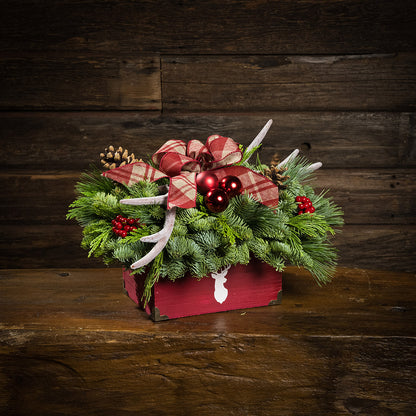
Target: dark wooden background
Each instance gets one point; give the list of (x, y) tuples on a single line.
[(337, 77)]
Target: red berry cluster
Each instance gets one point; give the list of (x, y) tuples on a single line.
[(304, 205), (122, 226)]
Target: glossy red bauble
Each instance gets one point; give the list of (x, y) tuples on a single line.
[(231, 185), (216, 200), (206, 181)]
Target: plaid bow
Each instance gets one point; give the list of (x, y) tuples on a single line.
[(182, 162)]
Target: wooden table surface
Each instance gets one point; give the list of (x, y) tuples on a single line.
[(71, 343)]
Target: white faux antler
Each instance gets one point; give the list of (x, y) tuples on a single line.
[(288, 159), (310, 168), (151, 200), (259, 138), (161, 238)]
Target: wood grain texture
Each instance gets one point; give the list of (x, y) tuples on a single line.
[(366, 196), (65, 83), (389, 247), (189, 26), (71, 342), (338, 139), (265, 83)]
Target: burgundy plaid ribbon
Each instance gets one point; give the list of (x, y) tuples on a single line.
[(181, 162)]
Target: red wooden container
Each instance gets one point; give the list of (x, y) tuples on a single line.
[(239, 287)]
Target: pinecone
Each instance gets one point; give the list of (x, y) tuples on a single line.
[(112, 158), (275, 174)]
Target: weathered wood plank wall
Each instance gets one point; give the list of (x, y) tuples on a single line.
[(338, 78)]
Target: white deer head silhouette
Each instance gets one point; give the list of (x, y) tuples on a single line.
[(220, 292)]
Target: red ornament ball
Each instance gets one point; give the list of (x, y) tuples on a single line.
[(231, 185), (216, 200), (206, 181)]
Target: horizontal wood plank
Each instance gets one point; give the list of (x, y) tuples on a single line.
[(289, 83), (93, 299), (272, 27), (388, 247), (338, 139), (72, 342), (366, 196), (65, 83)]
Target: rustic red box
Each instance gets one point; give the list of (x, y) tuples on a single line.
[(236, 287)]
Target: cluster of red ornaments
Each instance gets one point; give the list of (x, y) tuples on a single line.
[(304, 205), (217, 193), (122, 226)]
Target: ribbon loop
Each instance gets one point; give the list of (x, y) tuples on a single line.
[(173, 146), (182, 162)]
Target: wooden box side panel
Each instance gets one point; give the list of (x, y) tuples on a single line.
[(256, 284), (246, 287)]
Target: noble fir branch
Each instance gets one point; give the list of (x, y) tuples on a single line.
[(207, 240), (259, 247), (236, 254), (92, 182), (143, 189)]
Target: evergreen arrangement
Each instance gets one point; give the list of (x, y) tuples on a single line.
[(297, 231)]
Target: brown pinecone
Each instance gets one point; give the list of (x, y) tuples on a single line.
[(112, 158), (275, 174)]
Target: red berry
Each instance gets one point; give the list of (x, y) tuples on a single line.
[(119, 225), (123, 233), (301, 206), (130, 221), (127, 228), (115, 230), (300, 212), (133, 227), (119, 217), (309, 204), (312, 210), (298, 199), (304, 199)]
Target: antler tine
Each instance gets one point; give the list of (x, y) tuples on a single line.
[(259, 138), (288, 159), (313, 167), (310, 168), (161, 238), (151, 200)]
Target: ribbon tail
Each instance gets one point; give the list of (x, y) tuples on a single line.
[(182, 191), (134, 173), (261, 188)]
